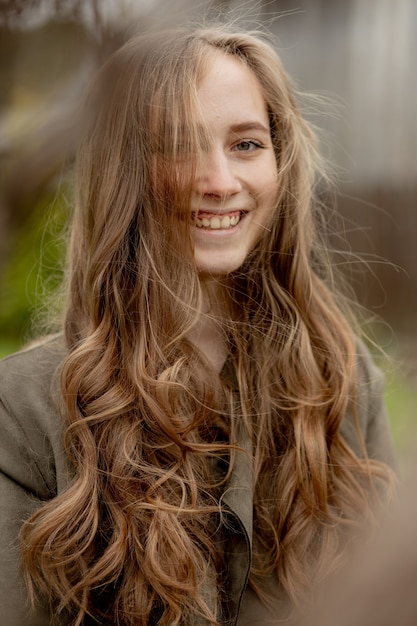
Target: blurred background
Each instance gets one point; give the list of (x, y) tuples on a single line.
[(358, 56)]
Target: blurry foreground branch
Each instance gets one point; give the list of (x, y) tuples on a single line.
[(380, 586)]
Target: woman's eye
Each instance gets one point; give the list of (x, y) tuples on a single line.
[(248, 145)]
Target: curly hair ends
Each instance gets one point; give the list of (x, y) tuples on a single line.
[(146, 414)]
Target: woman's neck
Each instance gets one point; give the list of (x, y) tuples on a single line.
[(210, 335)]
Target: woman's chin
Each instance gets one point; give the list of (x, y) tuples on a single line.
[(218, 270)]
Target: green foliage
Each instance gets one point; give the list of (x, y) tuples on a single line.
[(7, 346), (35, 269), (401, 400)]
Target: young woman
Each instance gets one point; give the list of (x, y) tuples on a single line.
[(200, 443)]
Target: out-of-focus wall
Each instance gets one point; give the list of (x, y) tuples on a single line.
[(362, 54)]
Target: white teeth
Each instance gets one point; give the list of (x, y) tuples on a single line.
[(217, 222)]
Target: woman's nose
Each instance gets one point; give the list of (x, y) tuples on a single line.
[(216, 176)]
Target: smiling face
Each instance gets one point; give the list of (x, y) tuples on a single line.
[(235, 189)]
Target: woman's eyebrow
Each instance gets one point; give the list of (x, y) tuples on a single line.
[(245, 126), (183, 130)]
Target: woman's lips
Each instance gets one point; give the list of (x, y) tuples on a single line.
[(215, 221)]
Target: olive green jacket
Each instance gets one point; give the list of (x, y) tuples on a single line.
[(34, 469)]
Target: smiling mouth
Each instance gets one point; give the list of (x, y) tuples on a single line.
[(210, 221)]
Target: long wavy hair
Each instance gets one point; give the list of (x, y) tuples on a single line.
[(133, 540)]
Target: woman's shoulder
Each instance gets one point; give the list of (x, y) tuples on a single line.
[(31, 446), (367, 410), (33, 364), (29, 384), (370, 383)]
